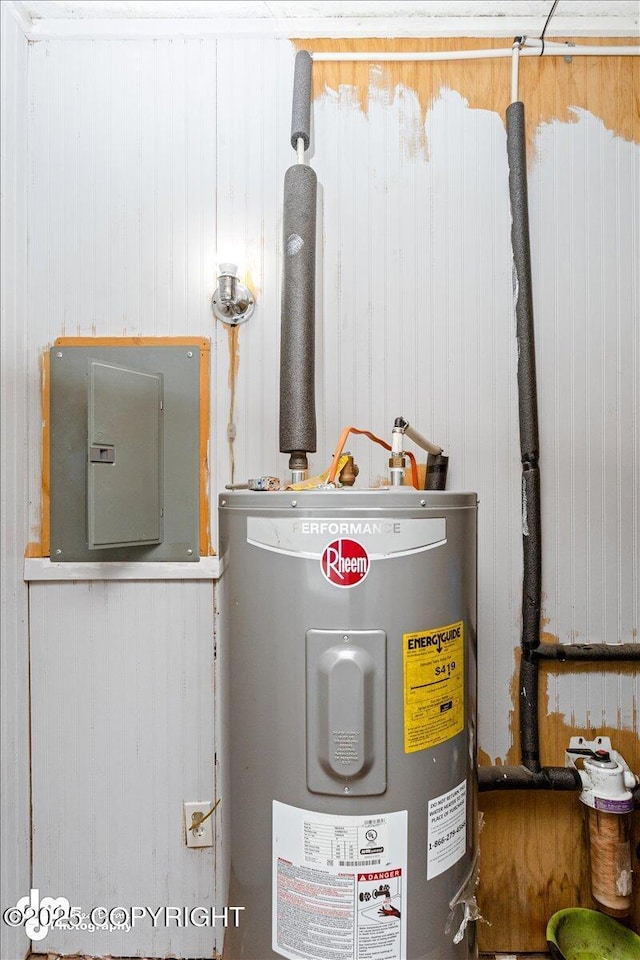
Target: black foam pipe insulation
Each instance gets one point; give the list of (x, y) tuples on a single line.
[(529, 731), (528, 421), (520, 778), (527, 389), (586, 652), (522, 286), (531, 775)]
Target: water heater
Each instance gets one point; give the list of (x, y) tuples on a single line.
[(350, 621)]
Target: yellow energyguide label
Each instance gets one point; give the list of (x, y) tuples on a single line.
[(433, 662)]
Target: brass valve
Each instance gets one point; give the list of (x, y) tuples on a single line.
[(349, 472)]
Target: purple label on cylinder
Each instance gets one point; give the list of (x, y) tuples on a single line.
[(614, 806)]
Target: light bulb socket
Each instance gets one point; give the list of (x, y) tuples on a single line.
[(227, 288), (232, 302)]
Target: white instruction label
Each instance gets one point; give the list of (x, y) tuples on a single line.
[(339, 885), (447, 830)]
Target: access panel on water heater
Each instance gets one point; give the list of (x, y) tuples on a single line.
[(346, 711)]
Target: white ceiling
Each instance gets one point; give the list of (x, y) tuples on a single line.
[(40, 9), (347, 18)]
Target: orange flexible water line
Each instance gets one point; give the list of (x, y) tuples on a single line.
[(414, 470), (367, 433)]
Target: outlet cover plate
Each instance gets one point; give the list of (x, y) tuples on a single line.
[(201, 836)]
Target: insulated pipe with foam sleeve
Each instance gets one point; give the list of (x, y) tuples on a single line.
[(522, 286), (527, 391), (301, 105), (531, 775), (427, 445), (521, 778), (528, 420), (297, 330)]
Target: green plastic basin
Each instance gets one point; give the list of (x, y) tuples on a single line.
[(578, 934)]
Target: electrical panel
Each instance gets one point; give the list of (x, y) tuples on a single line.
[(124, 444)]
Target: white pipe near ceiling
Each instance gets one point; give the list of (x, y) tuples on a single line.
[(515, 64), (550, 50)]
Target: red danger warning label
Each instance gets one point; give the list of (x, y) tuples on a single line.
[(345, 563), (379, 875)]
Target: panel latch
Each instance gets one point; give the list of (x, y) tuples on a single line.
[(102, 454)]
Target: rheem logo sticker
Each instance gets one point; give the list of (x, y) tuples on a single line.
[(345, 563)]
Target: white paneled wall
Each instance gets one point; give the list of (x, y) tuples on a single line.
[(585, 198), (122, 239), (150, 161), (14, 647), (254, 78), (123, 194), (122, 694)]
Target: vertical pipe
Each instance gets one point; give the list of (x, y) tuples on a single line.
[(515, 64), (297, 329), (529, 731), (528, 421), (297, 324), (523, 295), (436, 476), (301, 101)]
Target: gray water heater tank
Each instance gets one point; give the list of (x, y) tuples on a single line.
[(350, 624)]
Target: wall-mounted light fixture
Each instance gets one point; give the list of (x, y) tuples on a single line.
[(232, 302)]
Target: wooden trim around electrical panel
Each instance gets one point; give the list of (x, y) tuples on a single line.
[(42, 549), (201, 342), (205, 421)]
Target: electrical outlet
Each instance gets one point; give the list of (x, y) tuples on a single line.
[(199, 834)]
